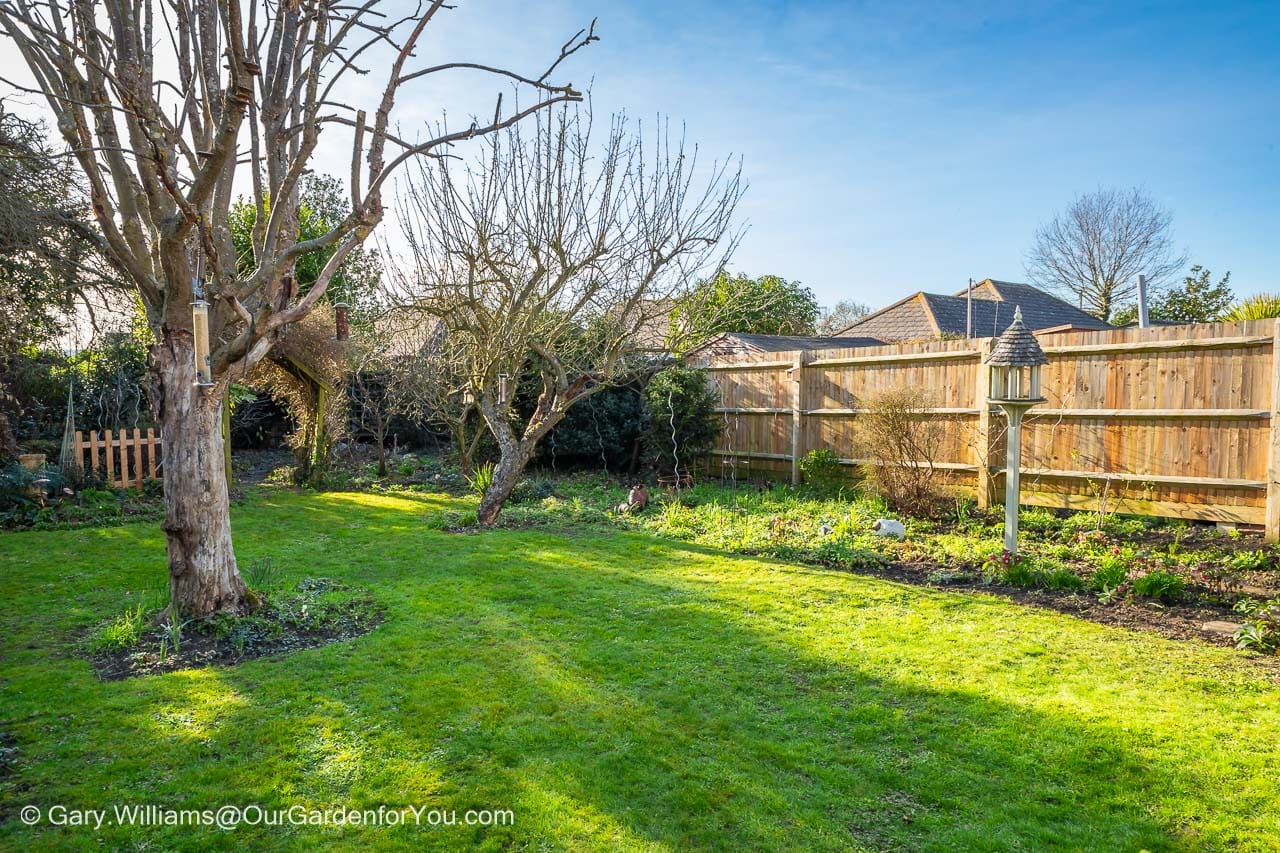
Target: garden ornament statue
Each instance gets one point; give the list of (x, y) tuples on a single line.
[(637, 500), (889, 527), (1015, 363)]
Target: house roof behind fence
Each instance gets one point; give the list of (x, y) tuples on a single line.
[(923, 316), (738, 341)]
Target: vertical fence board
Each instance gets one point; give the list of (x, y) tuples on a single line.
[(111, 457)]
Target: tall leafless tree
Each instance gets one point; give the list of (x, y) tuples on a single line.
[(165, 105), (550, 253), (1094, 251)]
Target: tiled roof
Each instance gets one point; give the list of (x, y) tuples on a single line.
[(929, 315), (1016, 346), (905, 320)]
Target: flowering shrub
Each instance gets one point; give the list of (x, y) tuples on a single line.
[(1221, 579)]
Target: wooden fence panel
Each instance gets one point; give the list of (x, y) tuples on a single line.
[(125, 460), (1180, 421)]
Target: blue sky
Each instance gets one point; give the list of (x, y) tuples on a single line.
[(894, 147), (899, 146)]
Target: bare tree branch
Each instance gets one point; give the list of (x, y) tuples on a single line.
[(551, 254), (1094, 251)]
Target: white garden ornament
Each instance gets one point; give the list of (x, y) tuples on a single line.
[(889, 527)]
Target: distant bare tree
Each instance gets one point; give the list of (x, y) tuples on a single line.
[(840, 316), (1094, 251), (553, 254), (162, 104), (437, 381)]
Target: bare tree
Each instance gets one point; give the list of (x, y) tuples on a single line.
[(1095, 250), (840, 316), (162, 104), (551, 254)]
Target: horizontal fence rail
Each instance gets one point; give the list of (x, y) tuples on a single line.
[(1177, 421), (124, 459)]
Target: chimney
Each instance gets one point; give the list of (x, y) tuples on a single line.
[(1142, 302), (342, 329)]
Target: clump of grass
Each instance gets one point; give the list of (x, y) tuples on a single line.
[(1031, 572), (450, 519), (261, 575), (1160, 585), (121, 633)]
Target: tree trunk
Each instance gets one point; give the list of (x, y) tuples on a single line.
[(505, 477), (463, 445), (203, 577), (319, 453)]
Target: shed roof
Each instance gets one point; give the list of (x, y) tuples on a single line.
[(780, 343)]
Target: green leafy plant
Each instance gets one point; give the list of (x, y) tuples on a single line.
[(532, 489), (1261, 306), (1260, 630), (1258, 560), (481, 479), (821, 468), (1160, 585), (174, 629), (261, 574), (683, 425), (1112, 571), (1025, 571), (123, 633)]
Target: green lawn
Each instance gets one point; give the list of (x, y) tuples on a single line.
[(624, 691)]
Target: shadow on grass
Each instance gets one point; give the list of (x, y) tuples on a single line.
[(623, 690)]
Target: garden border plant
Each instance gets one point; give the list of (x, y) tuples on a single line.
[(149, 638)]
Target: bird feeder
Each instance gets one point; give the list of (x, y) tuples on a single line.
[(1015, 363), (504, 389), (200, 328), (341, 321)]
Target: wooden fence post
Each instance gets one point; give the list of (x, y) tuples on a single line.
[(111, 458), (982, 388), (152, 445), (797, 414), (1272, 519)]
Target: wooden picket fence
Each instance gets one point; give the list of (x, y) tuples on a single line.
[(124, 459), (1176, 421)]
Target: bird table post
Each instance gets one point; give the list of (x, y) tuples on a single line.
[(1015, 363)]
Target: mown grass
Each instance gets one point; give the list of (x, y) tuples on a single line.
[(624, 691)]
